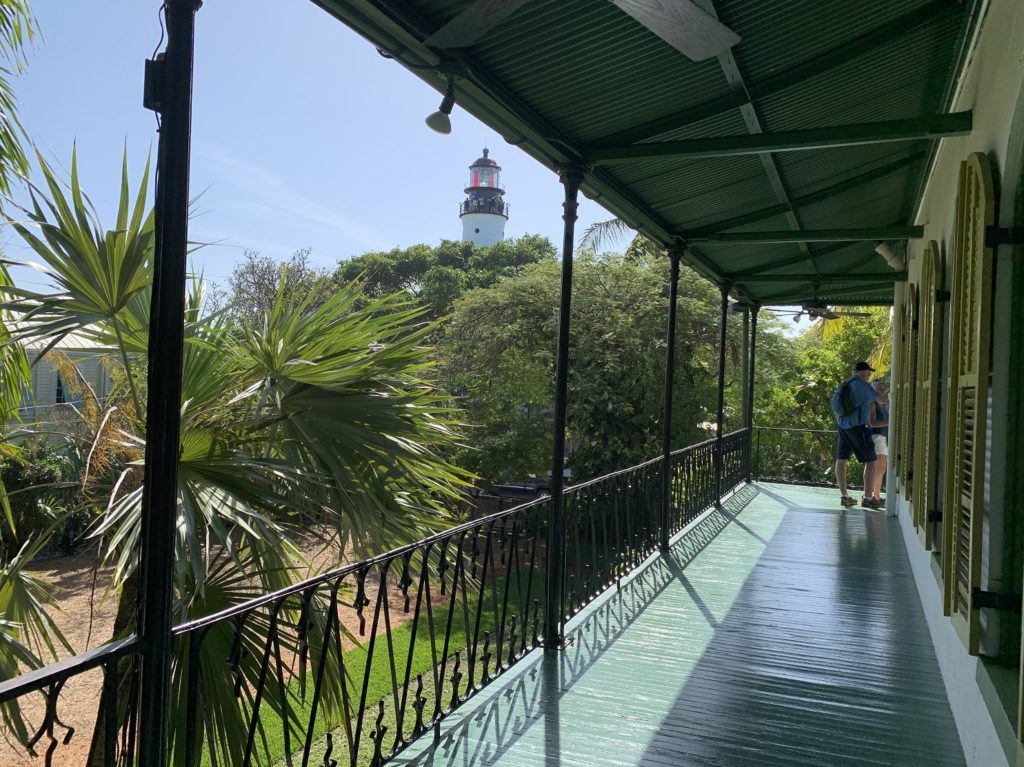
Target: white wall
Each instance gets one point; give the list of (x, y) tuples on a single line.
[(483, 228)]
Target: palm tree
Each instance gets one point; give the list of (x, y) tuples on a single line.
[(324, 414), (17, 31), (602, 234)]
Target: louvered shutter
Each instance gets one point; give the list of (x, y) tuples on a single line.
[(970, 327), (926, 421), (908, 392)]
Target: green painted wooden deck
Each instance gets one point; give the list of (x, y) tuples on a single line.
[(780, 631)]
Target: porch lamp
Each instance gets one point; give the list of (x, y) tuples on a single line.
[(439, 120), (885, 251)]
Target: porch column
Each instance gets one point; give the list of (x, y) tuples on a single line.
[(571, 178), (666, 426), (169, 92), (744, 362), (720, 418), (749, 421)]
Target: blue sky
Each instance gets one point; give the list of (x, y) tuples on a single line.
[(303, 136)]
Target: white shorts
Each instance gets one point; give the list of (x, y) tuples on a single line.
[(881, 444)]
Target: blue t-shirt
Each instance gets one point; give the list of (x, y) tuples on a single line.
[(862, 394)]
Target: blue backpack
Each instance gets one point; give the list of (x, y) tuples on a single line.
[(842, 401)]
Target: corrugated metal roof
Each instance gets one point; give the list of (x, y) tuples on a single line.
[(561, 77)]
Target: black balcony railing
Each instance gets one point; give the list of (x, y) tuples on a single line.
[(495, 205), (352, 665), (801, 456)]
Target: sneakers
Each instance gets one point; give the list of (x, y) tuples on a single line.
[(871, 503), (846, 502)]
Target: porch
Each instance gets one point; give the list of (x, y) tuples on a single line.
[(780, 630)]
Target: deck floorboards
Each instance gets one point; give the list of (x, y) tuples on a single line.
[(781, 632)]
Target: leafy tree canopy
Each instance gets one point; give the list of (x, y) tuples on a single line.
[(498, 359), (437, 276)]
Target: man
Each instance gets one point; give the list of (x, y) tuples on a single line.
[(854, 436)]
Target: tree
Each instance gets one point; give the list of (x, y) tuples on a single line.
[(17, 31), (799, 398), (253, 284), (498, 359), (436, 277), (301, 414)]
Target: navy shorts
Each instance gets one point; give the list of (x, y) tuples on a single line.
[(855, 441)]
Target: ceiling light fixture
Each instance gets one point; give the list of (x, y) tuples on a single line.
[(439, 120)]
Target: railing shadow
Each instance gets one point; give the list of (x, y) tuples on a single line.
[(482, 734)]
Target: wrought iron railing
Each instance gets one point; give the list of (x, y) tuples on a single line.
[(797, 456), (350, 666), (491, 205)]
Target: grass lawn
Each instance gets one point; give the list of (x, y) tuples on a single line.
[(380, 684)]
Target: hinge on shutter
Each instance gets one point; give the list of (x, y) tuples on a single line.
[(934, 516), (1004, 235), (1007, 602)]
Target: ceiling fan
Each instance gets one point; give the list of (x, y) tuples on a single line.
[(819, 311), (681, 23)]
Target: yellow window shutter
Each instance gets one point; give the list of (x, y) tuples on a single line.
[(908, 393), (971, 320), (928, 388)]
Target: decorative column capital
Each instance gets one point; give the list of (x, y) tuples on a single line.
[(571, 174)]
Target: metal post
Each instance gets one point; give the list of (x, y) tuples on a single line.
[(750, 385), (172, 87), (720, 417), (571, 178), (744, 363), (666, 427)]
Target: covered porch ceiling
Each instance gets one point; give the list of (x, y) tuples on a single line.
[(776, 165)]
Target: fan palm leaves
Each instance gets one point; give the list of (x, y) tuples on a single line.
[(17, 31), (602, 234), (325, 414)]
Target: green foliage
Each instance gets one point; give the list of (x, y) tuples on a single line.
[(37, 479), (325, 413), (253, 284), (28, 633), (498, 357), (797, 396), (17, 31), (436, 277)]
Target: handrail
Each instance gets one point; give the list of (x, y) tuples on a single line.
[(796, 455), (39, 678), (387, 647)]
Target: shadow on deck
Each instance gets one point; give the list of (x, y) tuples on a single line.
[(780, 631)]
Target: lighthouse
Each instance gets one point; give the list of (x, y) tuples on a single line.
[(484, 211)]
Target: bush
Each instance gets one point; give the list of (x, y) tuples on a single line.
[(35, 483)]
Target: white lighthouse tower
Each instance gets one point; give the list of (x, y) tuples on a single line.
[(484, 211)]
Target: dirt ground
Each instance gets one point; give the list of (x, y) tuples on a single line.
[(86, 618)]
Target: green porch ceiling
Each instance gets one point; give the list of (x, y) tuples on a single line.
[(826, 115), (779, 632)]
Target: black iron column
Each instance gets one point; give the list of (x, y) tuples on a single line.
[(169, 92), (749, 423), (744, 359), (571, 178), (666, 427), (720, 417)]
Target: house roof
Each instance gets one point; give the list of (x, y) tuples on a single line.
[(776, 165)]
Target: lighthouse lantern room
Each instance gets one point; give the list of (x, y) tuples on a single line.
[(484, 211)]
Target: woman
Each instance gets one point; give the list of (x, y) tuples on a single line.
[(878, 420)]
